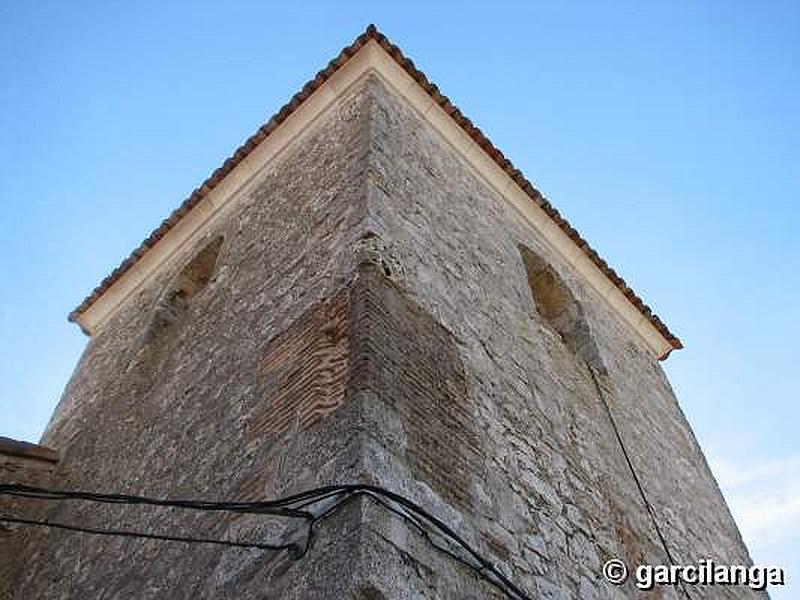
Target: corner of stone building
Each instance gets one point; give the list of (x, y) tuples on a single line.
[(346, 363), (25, 464)]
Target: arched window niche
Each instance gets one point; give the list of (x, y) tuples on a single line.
[(176, 298), (194, 277), (559, 309)]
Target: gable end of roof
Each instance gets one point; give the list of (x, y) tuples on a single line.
[(372, 34)]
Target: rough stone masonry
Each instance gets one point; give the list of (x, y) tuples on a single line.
[(372, 311)]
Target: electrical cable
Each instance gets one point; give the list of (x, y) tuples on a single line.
[(146, 535), (277, 508), (636, 479), (477, 569), (296, 506)]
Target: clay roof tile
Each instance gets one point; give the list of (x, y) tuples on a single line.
[(474, 132)]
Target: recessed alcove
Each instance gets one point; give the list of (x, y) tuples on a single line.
[(176, 298), (559, 309), (194, 277)]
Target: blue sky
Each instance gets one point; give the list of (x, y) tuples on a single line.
[(667, 133)]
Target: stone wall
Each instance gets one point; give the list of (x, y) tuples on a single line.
[(25, 464), (555, 497), (368, 317), (181, 397)]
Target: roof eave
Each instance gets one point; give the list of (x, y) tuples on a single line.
[(79, 315)]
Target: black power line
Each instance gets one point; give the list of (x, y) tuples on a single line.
[(304, 506), (647, 505), (146, 535)]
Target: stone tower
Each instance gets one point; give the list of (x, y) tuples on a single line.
[(368, 291)]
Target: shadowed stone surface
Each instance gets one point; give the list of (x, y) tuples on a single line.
[(24, 464)]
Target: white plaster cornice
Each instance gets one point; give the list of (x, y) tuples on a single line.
[(371, 58)]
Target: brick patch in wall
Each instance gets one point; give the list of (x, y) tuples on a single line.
[(306, 369)]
